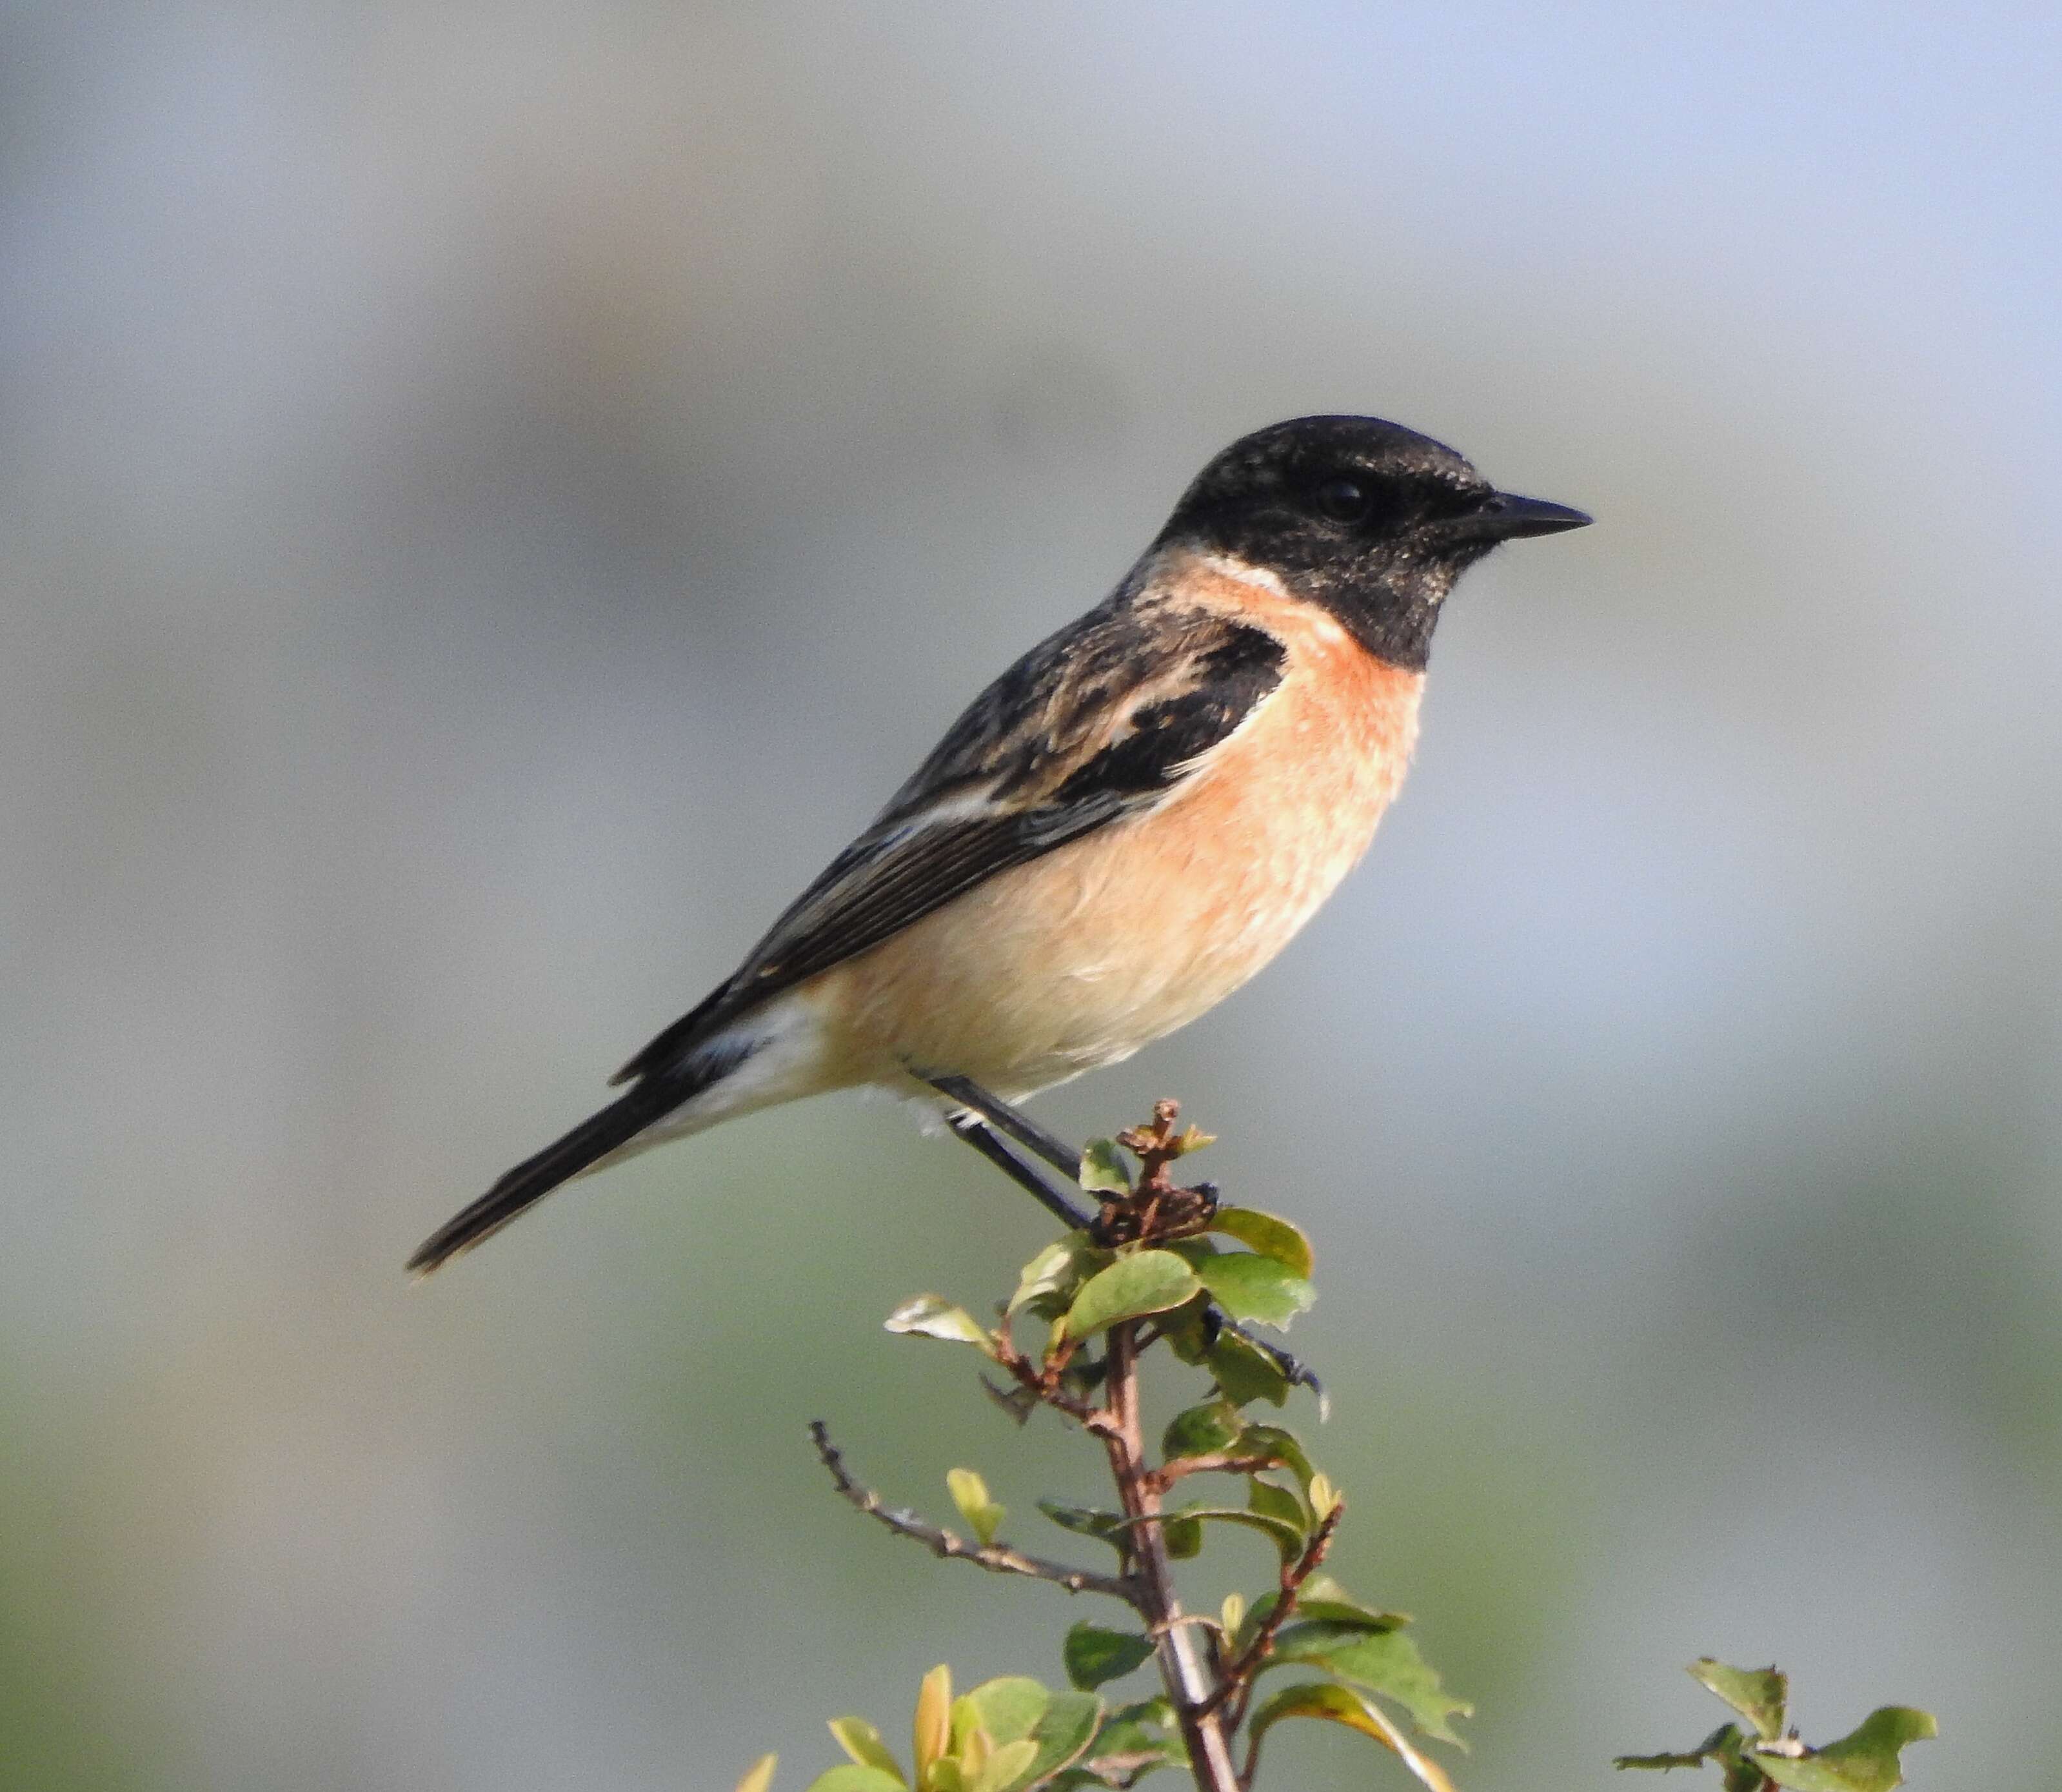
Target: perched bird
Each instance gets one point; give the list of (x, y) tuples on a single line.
[(1122, 829)]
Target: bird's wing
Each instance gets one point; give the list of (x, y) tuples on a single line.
[(1101, 720)]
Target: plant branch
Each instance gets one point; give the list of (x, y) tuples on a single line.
[(1183, 1670), (998, 1558), (1044, 1384), (1236, 1687), (1216, 1461)]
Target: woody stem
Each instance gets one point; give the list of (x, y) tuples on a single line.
[(1190, 1683)]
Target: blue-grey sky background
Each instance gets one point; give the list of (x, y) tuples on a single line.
[(490, 497)]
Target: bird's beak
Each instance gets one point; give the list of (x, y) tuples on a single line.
[(1506, 516)]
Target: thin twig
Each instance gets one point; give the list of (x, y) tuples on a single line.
[(998, 1558), (1235, 1686), (1043, 1384), (1165, 1477)]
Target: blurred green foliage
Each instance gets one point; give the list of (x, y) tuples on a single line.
[(1765, 1753), (1147, 1275), (1013, 1734)]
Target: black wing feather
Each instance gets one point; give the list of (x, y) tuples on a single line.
[(1038, 747), (534, 1178)]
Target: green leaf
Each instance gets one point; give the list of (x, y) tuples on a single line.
[(1269, 1234), (1151, 1281), (1063, 1734), (1102, 1169), (1133, 1741), (1866, 1760), (1094, 1654), (1187, 1333), (1085, 1521), (1246, 1372), (1384, 1662), (1006, 1766), (760, 1775), (1342, 1705), (862, 1742), (1256, 1287), (1760, 1695), (1009, 1708), (963, 1722), (1288, 1539), (1722, 1747), (1271, 1501), (850, 1778), (1323, 1597), (970, 1493), (1271, 1440), (1048, 1281), (1201, 1430), (927, 1316), (1181, 1527), (1158, 1711)]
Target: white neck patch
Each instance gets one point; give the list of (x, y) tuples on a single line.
[(1245, 572)]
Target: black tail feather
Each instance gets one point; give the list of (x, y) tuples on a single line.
[(535, 1177)]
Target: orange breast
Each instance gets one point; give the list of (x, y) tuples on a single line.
[(1079, 958)]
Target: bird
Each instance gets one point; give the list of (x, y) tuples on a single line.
[(1117, 833)]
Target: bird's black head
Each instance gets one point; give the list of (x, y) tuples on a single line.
[(1372, 520)]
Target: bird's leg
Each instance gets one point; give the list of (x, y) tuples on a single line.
[(976, 1130), (1003, 1118)]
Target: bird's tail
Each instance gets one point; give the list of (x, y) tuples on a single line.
[(654, 1096)]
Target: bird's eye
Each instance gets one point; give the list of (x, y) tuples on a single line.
[(1343, 501)]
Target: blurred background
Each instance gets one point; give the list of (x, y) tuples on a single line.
[(493, 496)]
